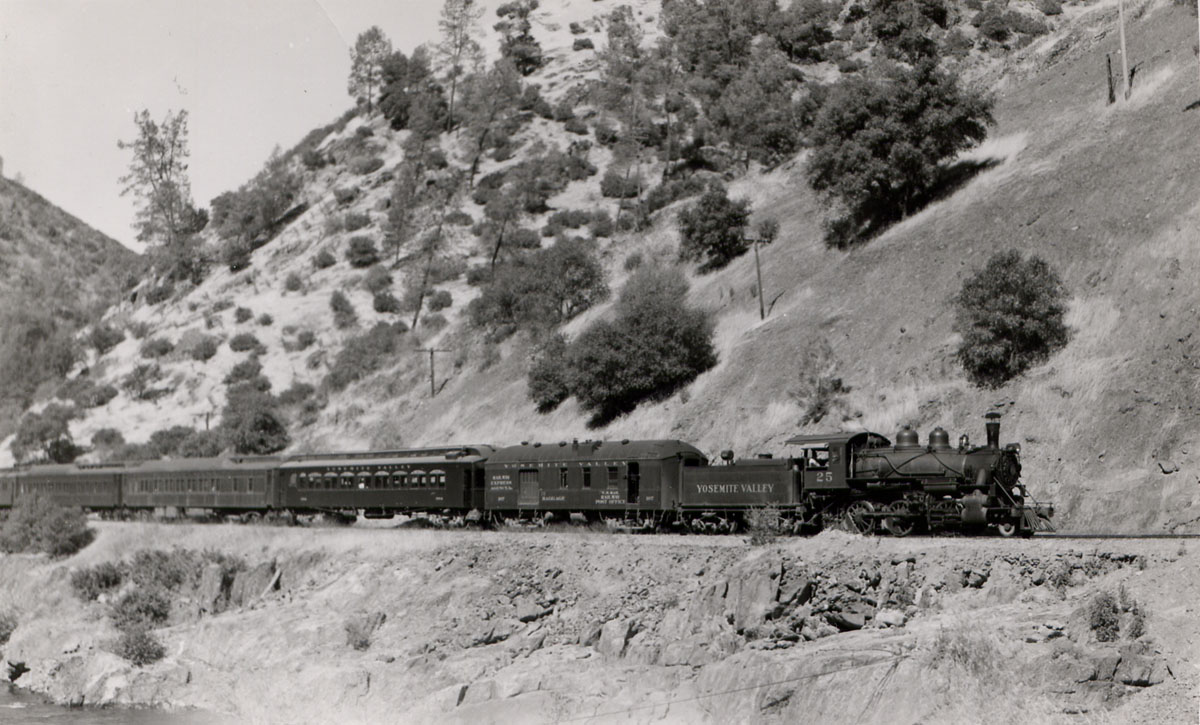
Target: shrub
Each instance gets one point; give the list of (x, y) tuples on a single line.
[(1050, 7), (362, 252), (583, 44), (324, 259), (242, 314), (293, 283), (879, 143), (386, 303), (140, 647), (434, 321), (712, 231), (104, 338), (305, 339), (344, 196), (100, 395), (107, 438), (313, 159), (439, 300), (1011, 317), (616, 185), (141, 608), (577, 29), (601, 224), (248, 369), (353, 221), (1104, 617), (166, 442), (90, 582), (364, 354), (343, 312), (459, 218), (765, 524), (654, 346), (265, 319), (549, 378), (156, 347), (563, 111), (298, 393), (246, 342), (8, 625), (605, 133), (159, 294), (377, 279), (633, 261), (205, 349), (524, 239), (364, 165), (138, 329), (138, 382), (37, 524)]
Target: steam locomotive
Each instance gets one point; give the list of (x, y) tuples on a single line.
[(858, 481)]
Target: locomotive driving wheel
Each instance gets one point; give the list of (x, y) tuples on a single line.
[(1007, 529), (860, 517), (899, 520)]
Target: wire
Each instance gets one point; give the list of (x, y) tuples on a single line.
[(799, 678)]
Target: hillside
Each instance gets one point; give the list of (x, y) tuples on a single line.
[(56, 275), (1105, 193)]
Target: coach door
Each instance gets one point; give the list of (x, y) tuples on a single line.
[(634, 490), (528, 494)]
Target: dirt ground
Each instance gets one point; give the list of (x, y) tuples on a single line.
[(584, 626)]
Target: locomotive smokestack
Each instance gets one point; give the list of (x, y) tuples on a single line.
[(993, 430)]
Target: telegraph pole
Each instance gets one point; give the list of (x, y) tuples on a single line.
[(431, 351), (768, 229), (1124, 55)]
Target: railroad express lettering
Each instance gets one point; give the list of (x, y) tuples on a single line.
[(735, 487)]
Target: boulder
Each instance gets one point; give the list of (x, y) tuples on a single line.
[(614, 636), (250, 584), (891, 617), (528, 610), (210, 593), (1141, 670), (752, 597), (846, 621)]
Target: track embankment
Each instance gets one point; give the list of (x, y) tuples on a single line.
[(353, 625)]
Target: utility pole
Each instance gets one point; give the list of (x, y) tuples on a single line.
[(1124, 55), (768, 229), (431, 351)]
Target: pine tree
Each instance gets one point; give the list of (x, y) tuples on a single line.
[(367, 57), (458, 50), (158, 177)]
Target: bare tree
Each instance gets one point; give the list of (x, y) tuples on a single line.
[(370, 50), (158, 177), (458, 49)]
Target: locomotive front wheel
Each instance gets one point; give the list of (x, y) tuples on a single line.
[(860, 517), (1006, 529), (899, 523)]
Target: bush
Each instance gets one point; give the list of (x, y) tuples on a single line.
[(159, 294), (324, 259), (353, 221), (1050, 7), (549, 378), (305, 339), (434, 321), (712, 231), (205, 349), (201, 444), (439, 300), (386, 303), (377, 279), (250, 423), (242, 314), (459, 218), (248, 369), (605, 133), (297, 394), (583, 44), (1104, 617), (366, 164), (364, 354), (8, 625), (601, 224), (90, 582), (37, 524), (879, 143), (344, 196), (137, 383), (141, 608), (104, 338), (764, 524), (100, 395), (1011, 317), (293, 283), (313, 159), (360, 628), (246, 342), (107, 438), (343, 312), (265, 319), (615, 185), (362, 252), (140, 647), (166, 442), (156, 347), (577, 29), (138, 329)]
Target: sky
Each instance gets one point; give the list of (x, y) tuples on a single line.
[(252, 74)]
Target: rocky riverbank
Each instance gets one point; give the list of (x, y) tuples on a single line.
[(360, 625)]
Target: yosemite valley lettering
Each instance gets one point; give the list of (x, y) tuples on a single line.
[(735, 487)]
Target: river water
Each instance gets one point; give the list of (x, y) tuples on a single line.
[(21, 708)]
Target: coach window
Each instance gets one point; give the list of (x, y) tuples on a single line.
[(361, 480), (417, 479), (347, 480), (587, 476), (613, 475), (437, 477), (563, 477), (399, 479), (331, 480), (381, 479)]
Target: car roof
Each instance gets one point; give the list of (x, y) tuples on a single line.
[(594, 451)]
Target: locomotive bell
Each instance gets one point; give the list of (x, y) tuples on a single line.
[(993, 430), (939, 439), (908, 438)]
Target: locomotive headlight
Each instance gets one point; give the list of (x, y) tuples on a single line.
[(1016, 491)]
